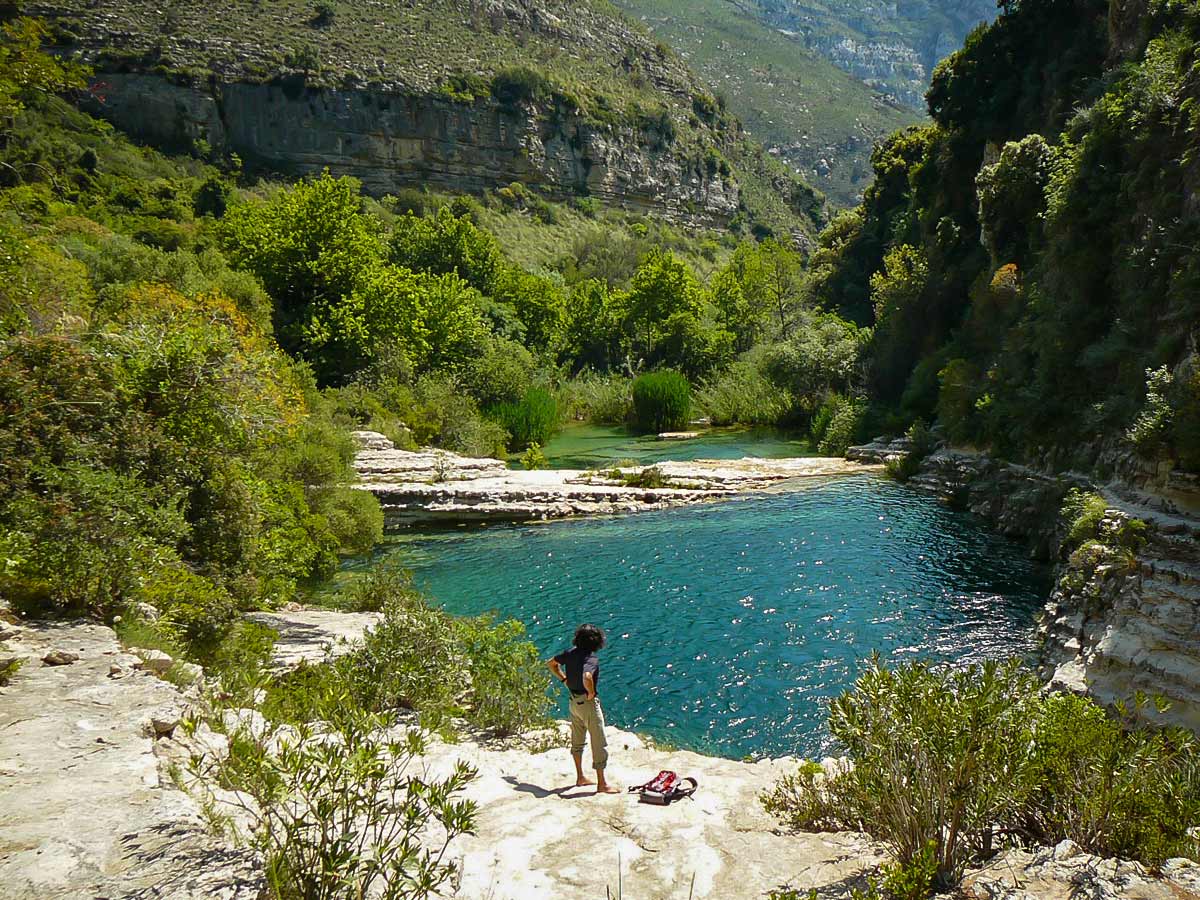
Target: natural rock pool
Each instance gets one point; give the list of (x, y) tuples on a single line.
[(730, 625), (587, 446)]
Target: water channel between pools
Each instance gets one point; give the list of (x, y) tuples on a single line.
[(731, 625)]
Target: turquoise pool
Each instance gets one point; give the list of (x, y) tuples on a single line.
[(731, 625)]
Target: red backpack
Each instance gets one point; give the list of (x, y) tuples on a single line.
[(664, 788)]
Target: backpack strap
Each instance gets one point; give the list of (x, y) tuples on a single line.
[(682, 791)]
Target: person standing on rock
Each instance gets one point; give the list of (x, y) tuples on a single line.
[(579, 669)]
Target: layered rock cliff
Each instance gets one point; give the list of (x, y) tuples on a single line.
[(394, 140), (570, 99)]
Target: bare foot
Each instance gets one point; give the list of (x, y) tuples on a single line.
[(583, 782), (608, 789)]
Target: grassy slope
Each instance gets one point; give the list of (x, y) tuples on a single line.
[(788, 97), (611, 67), (906, 41)]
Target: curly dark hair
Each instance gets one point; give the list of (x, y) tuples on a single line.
[(589, 638)]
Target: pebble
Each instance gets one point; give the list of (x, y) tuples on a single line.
[(153, 660), (59, 658)]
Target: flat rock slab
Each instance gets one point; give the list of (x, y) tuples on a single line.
[(84, 812), (538, 836), (442, 486), (310, 635)]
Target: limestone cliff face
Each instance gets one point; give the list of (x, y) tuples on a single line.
[(392, 140), (1118, 625)]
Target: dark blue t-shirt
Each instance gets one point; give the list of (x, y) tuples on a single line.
[(575, 662)]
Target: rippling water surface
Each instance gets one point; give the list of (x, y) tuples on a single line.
[(730, 625)]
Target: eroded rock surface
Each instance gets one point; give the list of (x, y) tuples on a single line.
[(309, 635), (85, 811), (438, 485), (1065, 872)]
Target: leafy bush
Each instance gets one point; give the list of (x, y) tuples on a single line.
[(948, 759), (531, 420), (534, 458), (520, 84), (650, 477), (662, 401), (421, 658), (194, 609), (337, 813), (742, 395), (508, 683), (596, 398), (837, 423), (1082, 512), (921, 443)]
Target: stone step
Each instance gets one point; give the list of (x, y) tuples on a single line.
[(1172, 571), (1155, 585)]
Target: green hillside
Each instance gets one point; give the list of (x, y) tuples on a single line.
[(821, 120), (561, 61), (1028, 261), (894, 48)]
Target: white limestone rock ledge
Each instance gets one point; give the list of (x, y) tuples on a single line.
[(86, 810), (437, 485)]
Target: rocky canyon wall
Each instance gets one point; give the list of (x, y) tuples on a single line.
[(394, 140)]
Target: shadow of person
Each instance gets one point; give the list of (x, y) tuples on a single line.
[(542, 793)]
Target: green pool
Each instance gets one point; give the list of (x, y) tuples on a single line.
[(594, 446)]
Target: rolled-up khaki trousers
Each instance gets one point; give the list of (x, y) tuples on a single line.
[(587, 721)]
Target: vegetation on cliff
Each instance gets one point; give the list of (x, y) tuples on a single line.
[(543, 68), (819, 119), (1028, 261)]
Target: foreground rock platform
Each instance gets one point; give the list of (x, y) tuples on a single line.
[(85, 811), (435, 485)]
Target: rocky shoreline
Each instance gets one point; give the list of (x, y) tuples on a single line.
[(436, 485), (1111, 628)]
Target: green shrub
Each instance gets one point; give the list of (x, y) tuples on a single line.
[(520, 84), (1082, 512), (742, 395), (949, 758), (650, 477), (1132, 793), (9, 669), (421, 658), (837, 424), (603, 399), (938, 757), (531, 420), (508, 682), (193, 609), (534, 458), (662, 401), (921, 443), (337, 813)]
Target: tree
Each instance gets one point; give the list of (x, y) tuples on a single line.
[(538, 301), (432, 321), (1012, 199), (771, 277), (309, 245), (593, 335), (447, 243), (663, 285), (25, 70)]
